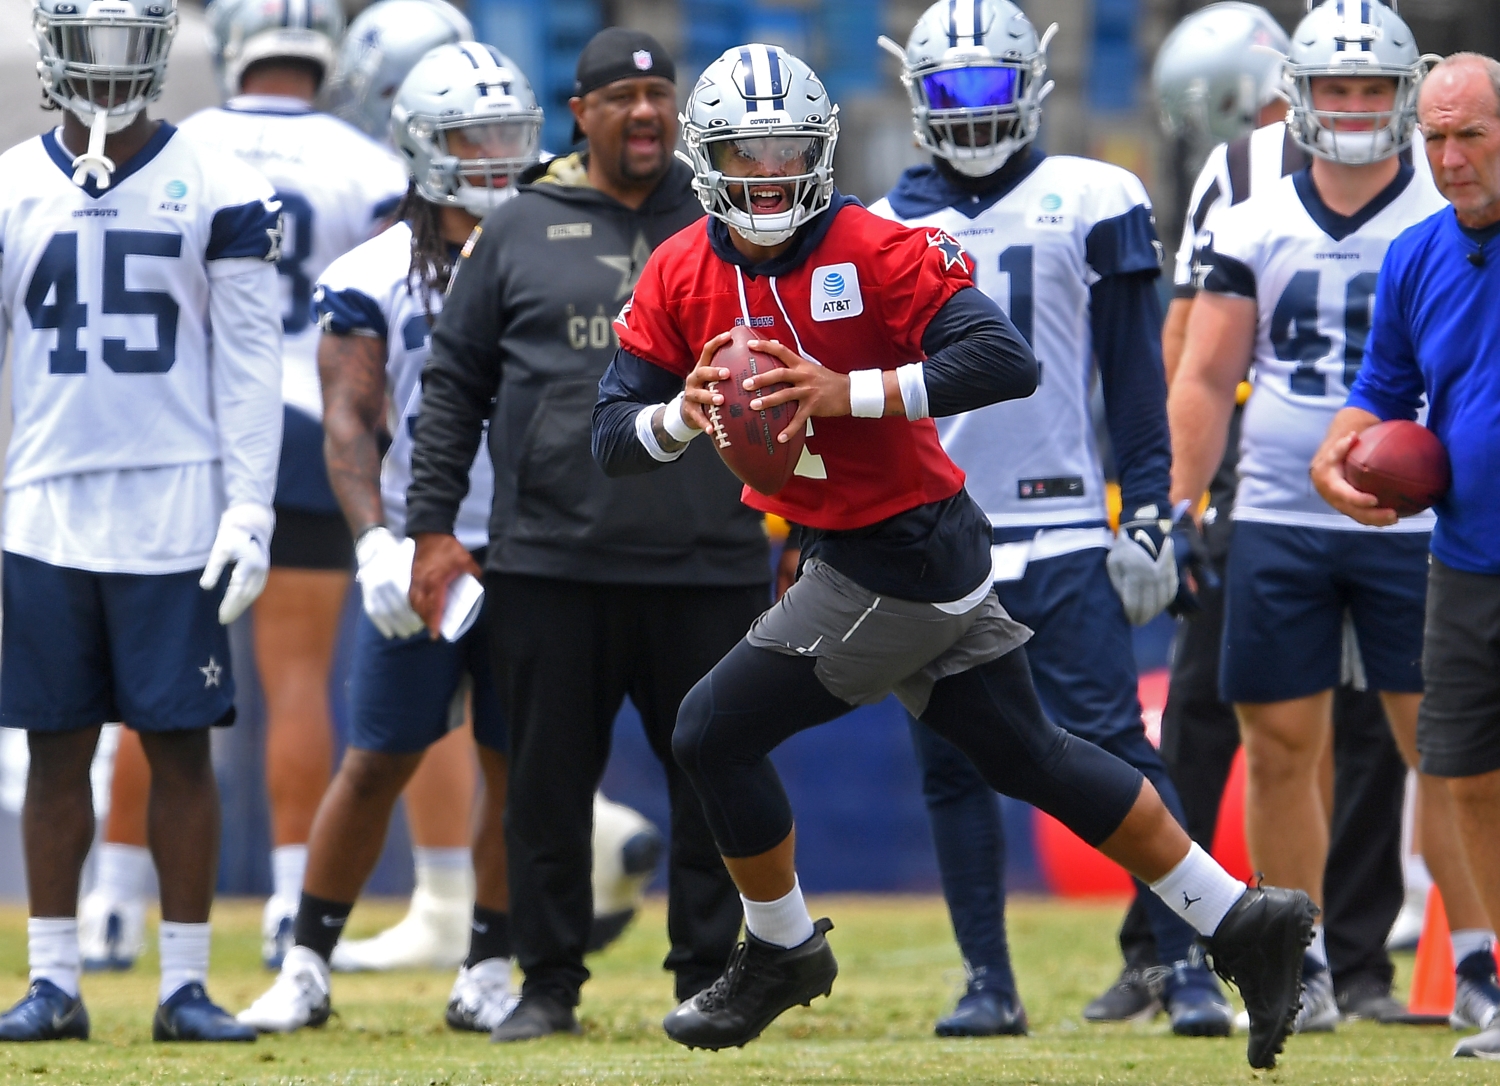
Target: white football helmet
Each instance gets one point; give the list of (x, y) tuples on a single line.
[(1217, 70), (976, 73), (458, 100), (383, 44), (1353, 38), (243, 32), (103, 57), (759, 113)]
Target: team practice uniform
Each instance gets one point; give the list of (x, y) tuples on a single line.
[(401, 688), (1068, 247), (895, 594), (335, 186), (1296, 564), (146, 399)]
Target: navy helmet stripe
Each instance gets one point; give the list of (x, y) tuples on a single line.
[(952, 24), (978, 22), (778, 91), (749, 65)]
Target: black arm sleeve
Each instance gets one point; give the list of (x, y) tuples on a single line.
[(459, 384), (1125, 312), (629, 384), (975, 356)]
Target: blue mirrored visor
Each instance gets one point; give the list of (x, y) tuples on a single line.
[(972, 88)]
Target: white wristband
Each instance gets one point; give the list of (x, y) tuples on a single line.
[(647, 436), (674, 424), (866, 394), (913, 384)]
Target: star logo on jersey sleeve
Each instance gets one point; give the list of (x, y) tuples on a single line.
[(953, 252), (213, 673)]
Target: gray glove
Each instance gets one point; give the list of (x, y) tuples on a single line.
[(1142, 565)]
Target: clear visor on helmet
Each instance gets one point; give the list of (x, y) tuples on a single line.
[(490, 151), (109, 61), (766, 156)]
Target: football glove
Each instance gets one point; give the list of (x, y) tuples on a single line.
[(1195, 571), (384, 579), (1142, 565), (244, 539)]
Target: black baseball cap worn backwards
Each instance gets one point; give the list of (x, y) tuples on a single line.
[(616, 53)]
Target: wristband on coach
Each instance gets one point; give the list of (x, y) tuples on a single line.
[(913, 383), (866, 394), (674, 424)]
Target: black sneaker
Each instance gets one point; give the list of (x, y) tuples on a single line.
[(45, 1013), (760, 981), (1258, 948), (1133, 996), (537, 1015)]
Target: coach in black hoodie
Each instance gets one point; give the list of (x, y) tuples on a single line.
[(597, 587)]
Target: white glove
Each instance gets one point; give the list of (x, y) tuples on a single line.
[(1142, 565), (244, 538), (385, 579)]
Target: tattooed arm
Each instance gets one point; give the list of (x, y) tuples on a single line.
[(352, 370)]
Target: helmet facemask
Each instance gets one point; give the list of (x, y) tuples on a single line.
[(474, 161), (105, 59), (977, 114), (1354, 138), (766, 182)]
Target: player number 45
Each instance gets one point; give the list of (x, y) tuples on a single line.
[(56, 277)]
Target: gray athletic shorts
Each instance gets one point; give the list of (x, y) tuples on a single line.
[(868, 645)]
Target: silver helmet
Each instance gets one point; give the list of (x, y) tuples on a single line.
[(1217, 70), (1353, 38), (759, 113), (103, 58), (383, 44), (467, 124), (976, 73), (244, 32)]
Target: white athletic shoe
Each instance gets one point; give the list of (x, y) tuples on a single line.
[(1407, 930), (482, 996), (1476, 999), (1482, 1046), (276, 924), (1320, 1010), (434, 934), (298, 998), (111, 933)]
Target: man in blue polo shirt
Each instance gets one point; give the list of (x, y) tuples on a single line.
[(1436, 333)]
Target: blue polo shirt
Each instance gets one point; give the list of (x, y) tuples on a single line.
[(1436, 331)]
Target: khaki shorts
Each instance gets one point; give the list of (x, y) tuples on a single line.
[(868, 646)]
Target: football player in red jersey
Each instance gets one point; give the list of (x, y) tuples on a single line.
[(895, 592)]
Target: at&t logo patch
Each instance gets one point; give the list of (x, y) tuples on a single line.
[(835, 292)]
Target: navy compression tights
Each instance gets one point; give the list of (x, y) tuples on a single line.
[(754, 699)]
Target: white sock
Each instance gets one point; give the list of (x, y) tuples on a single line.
[(1317, 950), (446, 873), (288, 866), (784, 922), (123, 872), (1416, 875), (52, 947), (1471, 941), (1199, 890), (184, 956)]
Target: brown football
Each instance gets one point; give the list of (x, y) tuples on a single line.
[(746, 439), (1402, 463)]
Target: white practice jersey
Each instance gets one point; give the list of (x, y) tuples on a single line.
[(335, 185), (365, 293), (1312, 274), (1037, 250), (147, 369), (1236, 169)]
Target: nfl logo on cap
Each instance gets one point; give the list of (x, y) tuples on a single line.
[(642, 58)]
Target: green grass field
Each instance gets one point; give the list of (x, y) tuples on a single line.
[(899, 970)]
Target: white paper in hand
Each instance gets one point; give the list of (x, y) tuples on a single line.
[(465, 597)]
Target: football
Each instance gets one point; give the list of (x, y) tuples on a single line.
[(746, 439), (1402, 463)]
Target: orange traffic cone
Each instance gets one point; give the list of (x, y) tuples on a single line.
[(1432, 975)]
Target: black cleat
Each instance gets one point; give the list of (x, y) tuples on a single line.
[(1258, 948), (189, 1015), (759, 983), (537, 1015), (45, 1013)]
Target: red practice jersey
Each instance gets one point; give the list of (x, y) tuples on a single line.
[(861, 300)]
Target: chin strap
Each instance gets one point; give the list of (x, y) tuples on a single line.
[(93, 161)]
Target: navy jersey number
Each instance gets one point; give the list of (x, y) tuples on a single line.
[(1016, 263), (1296, 338), (57, 271), (296, 247)]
